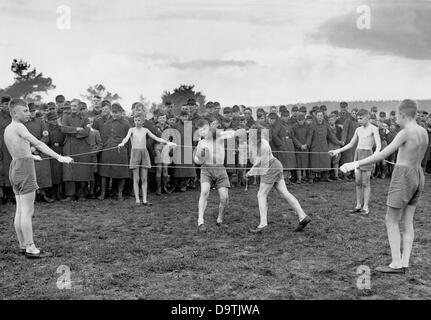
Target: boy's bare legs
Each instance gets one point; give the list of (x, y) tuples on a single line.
[(366, 186), (136, 184), (392, 220), (224, 201), (408, 234), (262, 198), (17, 223), (27, 209), (293, 202), (203, 199), (359, 193), (144, 184)]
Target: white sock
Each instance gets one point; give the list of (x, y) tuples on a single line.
[(200, 222), (31, 248)]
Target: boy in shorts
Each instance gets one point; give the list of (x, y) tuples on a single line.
[(406, 186), (22, 174), (139, 157), (210, 153), (366, 135), (270, 170)]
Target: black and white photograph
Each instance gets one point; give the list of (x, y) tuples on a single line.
[(215, 154)]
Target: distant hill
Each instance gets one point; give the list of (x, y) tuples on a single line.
[(382, 105)]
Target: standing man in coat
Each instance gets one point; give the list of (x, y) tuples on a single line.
[(76, 176), (349, 126), (300, 133), (318, 138), (112, 133)]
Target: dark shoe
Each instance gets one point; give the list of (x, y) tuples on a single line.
[(101, 197), (159, 191), (147, 204), (259, 230), (356, 210), (302, 224), (67, 199), (39, 255), (21, 251), (202, 228), (387, 269)]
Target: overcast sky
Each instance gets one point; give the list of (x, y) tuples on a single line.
[(237, 52)]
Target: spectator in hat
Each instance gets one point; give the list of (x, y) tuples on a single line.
[(184, 170), (96, 104), (281, 142), (56, 143), (112, 133), (76, 176), (303, 111), (318, 139), (300, 131), (248, 115)]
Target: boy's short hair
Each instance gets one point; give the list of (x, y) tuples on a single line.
[(343, 104), (303, 109), (409, 108), (16, 102), (201, 123), (295, 109), (393, 113), (382, 114), (362, 113), (323, 108), (209, 104), (60, 99)]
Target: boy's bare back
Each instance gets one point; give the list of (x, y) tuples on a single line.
[(18, 146), (412, 151)]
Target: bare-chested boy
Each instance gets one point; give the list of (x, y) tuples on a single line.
[(22, 174), (139, 157), (366, 135), (407, 183), (210, 153)]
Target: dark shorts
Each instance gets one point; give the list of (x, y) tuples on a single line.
[(216, 175), (22, 176), (274, 173), (362, 154), (140, 158), (406, 186)]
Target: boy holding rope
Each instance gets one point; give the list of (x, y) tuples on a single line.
[(22, 174), (139, 157), (366, 135)]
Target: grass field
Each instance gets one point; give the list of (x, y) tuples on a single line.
[(116, 250)]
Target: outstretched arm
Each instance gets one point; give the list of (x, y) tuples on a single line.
[(347, 146), (126, 138), (261, 164), (160, 140), (26, 135)]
